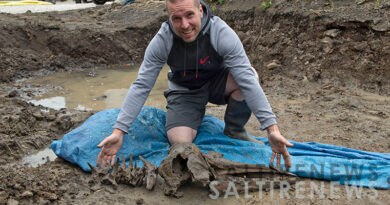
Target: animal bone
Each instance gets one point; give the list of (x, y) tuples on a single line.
[(133, 176), (185, 161), (151, 176)]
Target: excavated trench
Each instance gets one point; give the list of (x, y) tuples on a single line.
[(311, 39), (324, 65)]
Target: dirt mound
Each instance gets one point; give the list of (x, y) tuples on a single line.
[(76, 39), (341, 42)]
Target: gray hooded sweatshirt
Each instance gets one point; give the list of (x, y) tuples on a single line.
[(231, 53)]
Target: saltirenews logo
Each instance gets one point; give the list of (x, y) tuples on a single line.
[(359, 182), (298, 190)]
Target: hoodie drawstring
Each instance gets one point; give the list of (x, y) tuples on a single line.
[(185, 57), (197, 58)]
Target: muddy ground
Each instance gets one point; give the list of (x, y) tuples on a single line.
[(324, 65)]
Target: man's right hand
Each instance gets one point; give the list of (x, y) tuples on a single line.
[(111, 146)]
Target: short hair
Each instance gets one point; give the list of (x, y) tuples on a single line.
[(196, 2)]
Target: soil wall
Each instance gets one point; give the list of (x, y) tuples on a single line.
[(340, 42)]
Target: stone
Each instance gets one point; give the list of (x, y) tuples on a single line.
[(13, 93), (139, 201), (333, 33), (274, 64), (12, 202), (48, 195), (27, 194)]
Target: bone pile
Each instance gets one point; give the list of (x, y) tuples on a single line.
[(186, 163), (131, 175)]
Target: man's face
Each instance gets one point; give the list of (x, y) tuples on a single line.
[(186, 19)]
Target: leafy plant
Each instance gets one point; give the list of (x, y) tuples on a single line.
[(212, 7), (219, 1), (266, 4)]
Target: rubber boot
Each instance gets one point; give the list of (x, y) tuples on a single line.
[(236, 116)]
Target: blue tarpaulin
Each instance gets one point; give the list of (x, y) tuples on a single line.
[(147, 138)]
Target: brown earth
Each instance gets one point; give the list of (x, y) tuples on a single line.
[(324, 65)]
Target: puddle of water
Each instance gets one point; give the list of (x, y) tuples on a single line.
[(107, 89), (39, 158), (55, 102)]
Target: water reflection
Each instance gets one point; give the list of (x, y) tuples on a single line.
[(54, 102), (39, 158), (106, 89)]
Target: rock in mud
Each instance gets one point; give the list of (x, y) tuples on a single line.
[(333, 33), (13, 93), (12, 202), (274, 64), (48, 195), (27, 194), (139, 201)]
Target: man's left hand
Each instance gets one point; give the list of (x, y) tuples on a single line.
[(278, 144)]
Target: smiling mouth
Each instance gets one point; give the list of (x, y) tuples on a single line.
[(187, 32)]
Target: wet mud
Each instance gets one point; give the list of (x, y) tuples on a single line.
[(324, 66), (25, 127)]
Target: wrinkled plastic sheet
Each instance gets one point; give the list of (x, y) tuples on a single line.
[(147, 138)]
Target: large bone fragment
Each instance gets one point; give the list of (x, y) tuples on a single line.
[(186, 161)]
